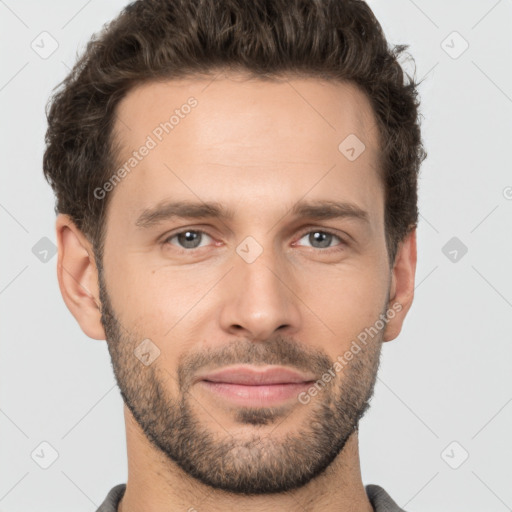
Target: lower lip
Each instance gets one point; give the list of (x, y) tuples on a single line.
[(261, 395)]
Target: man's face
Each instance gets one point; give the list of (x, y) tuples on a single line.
[(274, 284)]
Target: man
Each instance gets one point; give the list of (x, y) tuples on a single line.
[(236, 192)]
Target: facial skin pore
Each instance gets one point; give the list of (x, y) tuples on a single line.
[(261, 151)]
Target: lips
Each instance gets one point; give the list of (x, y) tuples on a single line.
[(257, 376)]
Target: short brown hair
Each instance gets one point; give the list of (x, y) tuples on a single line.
[(165, 39)]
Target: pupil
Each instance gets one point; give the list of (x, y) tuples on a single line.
[(189, 239), (321, 237)]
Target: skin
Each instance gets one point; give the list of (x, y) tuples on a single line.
[(257, 148)]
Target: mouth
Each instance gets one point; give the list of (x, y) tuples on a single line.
[(255, 386)]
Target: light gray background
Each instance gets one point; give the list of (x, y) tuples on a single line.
[(446, 378)]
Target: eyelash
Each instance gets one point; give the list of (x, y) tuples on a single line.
[(303, 233)]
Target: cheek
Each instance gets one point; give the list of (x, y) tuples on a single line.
[(345, 299), (157, 302), (160, 302)]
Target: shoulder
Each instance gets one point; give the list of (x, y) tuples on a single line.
[(381, 501), (113, 498)]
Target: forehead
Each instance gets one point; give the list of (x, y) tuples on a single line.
[(250, 106), (206, 134)]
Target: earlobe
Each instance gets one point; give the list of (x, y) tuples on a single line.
[(78, 277), (402, 286)]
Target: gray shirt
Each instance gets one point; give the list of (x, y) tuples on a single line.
[(381, 501)]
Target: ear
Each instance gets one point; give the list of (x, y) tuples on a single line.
[(401, 291), (78, 277)]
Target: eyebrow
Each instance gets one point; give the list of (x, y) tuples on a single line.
[(315, 210)]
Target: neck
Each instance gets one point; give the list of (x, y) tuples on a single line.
[(157, 484)]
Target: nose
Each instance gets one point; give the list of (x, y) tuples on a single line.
[(259, 299)]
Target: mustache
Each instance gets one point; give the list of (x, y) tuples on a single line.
[(276, 351)]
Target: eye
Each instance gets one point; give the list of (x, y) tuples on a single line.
[(321, 239), (191, 239), (188, 239)]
